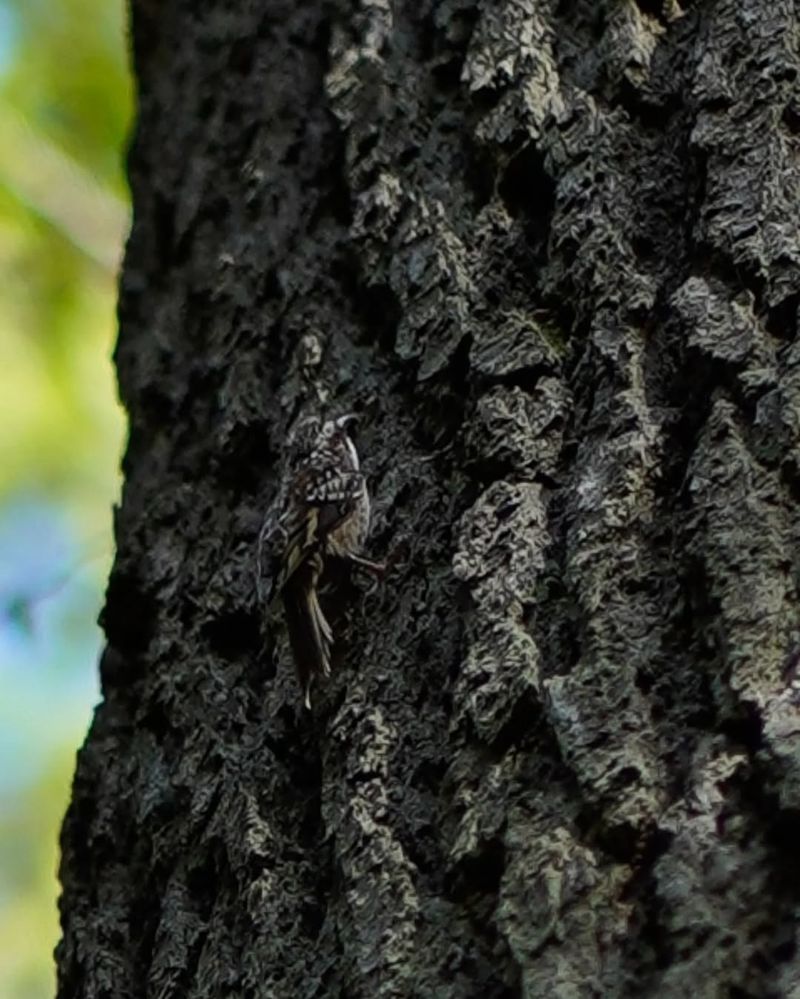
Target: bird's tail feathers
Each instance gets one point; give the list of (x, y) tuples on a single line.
[(309, 632)]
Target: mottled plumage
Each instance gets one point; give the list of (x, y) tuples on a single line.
[(322, 510)]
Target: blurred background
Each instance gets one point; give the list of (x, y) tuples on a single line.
[(65, 111)]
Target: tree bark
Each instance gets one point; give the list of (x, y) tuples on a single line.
[(549, 250)]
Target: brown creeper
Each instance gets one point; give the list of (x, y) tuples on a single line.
[(322, 510)]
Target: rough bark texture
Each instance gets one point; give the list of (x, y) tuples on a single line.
[(550, 251)]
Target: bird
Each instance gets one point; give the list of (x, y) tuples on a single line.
[(322, 511)]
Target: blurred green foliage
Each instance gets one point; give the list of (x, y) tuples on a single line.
[(65, 109)]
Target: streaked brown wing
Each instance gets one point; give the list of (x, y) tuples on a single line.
[(322, 500), (334, 495), (301, 540)]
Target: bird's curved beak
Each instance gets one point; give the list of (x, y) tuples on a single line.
[(347, 421)]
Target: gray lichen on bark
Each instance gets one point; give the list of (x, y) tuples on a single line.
[(550, 251)]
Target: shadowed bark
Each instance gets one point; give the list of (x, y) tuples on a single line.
[(549, 251)]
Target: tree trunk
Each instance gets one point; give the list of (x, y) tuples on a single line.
[(549, 250)]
